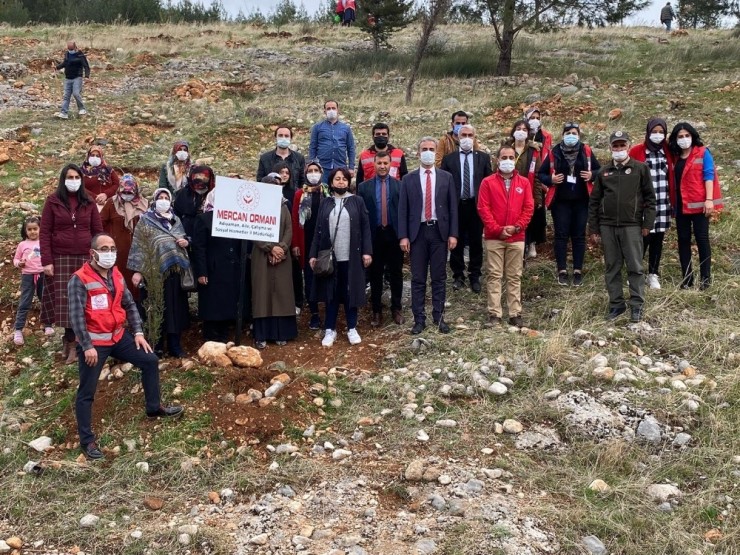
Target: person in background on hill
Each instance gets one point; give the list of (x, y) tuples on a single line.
[(349, 13), (100, 305), (621, 213), (528, 162), (427, 229), (160, 232), (666, 16), (655, 153), (340, 12), (282, 153), (695, 196), (28, 259), (119, 216), (289, 190), (273, 305), (174, 173), (449, 142), (75, 66), (505, 206), (305, 214), (216, 266), (343, 225), (468, 168), (537, 133), (191, 199), (69, 221), (568, 173), (366, 163), (332, 142), (380, 194), (98, 178)]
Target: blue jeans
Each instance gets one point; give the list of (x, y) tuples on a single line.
[(126, 351), (28, 288), (72, 87), (341, 295), (569, 218)]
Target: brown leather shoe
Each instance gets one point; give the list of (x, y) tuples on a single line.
[(72, 354), (398, 317), (377, 319)]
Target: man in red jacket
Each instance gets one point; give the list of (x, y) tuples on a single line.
[(505, 206)]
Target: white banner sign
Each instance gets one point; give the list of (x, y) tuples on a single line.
[(247, 210)]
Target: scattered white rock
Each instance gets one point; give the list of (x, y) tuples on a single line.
[(512, 426), (594, 545), (260, 539), (183, 539), (89, 520), (649, 430), (136, 534), (41, 443), (446, 423), (421, 435), (664, 492), (142, 466), (497, 388), (340, 454)]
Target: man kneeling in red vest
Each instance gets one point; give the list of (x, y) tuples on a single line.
[(99, 306)]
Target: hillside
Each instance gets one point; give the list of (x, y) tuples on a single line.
[(605, 438)]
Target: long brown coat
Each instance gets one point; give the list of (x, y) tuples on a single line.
[(115, 225), (272, 286)]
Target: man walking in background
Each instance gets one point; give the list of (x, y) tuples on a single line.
[(332, 142), (666, 16), (75, 66), (468, 168)]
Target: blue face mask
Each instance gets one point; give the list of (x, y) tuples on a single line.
[(571, 140), (456, 129)]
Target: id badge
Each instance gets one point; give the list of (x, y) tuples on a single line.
[(99, 302), (572, 179)]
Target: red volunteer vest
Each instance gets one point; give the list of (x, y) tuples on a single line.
[(693, 191), (104, 314), (367, 159)]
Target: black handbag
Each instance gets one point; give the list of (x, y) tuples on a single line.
[(324, 265)]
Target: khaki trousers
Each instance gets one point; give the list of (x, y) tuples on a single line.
[(504, 260)]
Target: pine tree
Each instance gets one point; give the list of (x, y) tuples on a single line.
[(380, 18)]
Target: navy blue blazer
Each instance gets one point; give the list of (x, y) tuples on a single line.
[(366, 190), (411, 205)]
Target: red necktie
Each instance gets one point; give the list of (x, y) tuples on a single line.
[(428, 197), (383, 204)]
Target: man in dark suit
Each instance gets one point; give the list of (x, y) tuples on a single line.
[(468, 168), (427, 227), (381, 199)]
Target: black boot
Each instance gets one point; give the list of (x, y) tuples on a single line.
[(173, 342)]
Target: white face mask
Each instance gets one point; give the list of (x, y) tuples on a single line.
[(506, 166), (313, 177), (128, 197), (331, 115), (427, 157), (619, 155), (182, 155), (657, 138), (73, 185), (684, 142), (283, 142), (94, 161), (520, 135), (466, 144), (534, 124), (106, 259), (162, 205)]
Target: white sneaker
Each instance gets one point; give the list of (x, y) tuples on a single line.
[(354, 337), (329, 337), (61, 115), (653, 282), (18, 337), (82, 112), (298, 311), (532, 251)]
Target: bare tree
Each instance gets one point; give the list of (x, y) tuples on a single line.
[(431, 15)]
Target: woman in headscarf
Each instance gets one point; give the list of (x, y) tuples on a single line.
[(159, 238), (216, 265), (174, 174), (343, 225), (69, 221), (533, 117), (273, 305), (528, 162), (289, 190), (655, 153), (568, 173), (191, 199), (695, 195), (305, 212), (98, 178), (119, 217)]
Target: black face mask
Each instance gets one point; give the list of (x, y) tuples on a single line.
[(339, 191), (380, 142)]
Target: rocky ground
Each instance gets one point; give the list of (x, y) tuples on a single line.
[(569, 436)]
